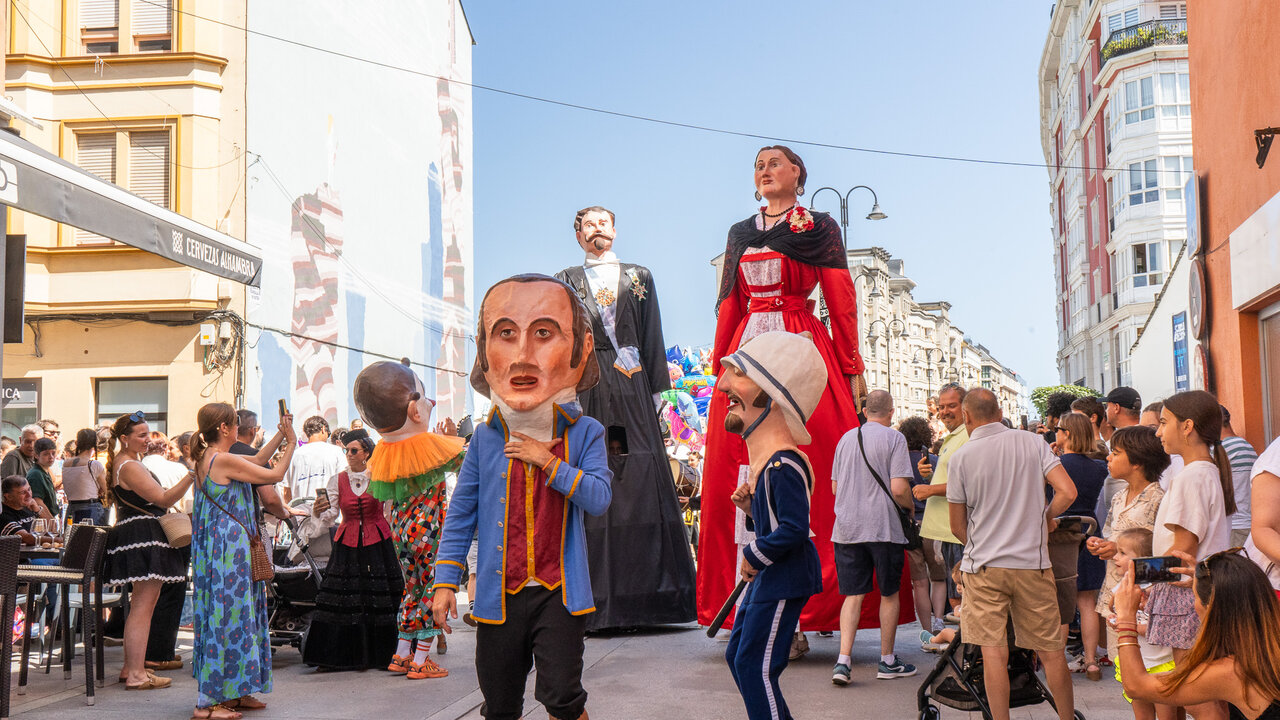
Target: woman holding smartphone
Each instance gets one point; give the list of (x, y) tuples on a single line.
[(354, 625)]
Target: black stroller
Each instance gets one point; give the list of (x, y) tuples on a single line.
[(957, 680), (291, 594)]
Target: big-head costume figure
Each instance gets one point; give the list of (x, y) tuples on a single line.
[(535, 469), (772, 385), (408, 467), (641, 568)]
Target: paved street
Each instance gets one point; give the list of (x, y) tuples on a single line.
[(676, 673)]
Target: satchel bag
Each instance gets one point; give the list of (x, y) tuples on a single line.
[(909, 529), (176, 525), (260, 566)]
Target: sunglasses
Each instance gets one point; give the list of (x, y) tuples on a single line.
[(353, 451), (138, 416), (1205, 562)]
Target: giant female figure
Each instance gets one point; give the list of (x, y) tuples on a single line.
[(772, 263)]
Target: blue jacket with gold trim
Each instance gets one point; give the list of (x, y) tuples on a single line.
[(480, 502)]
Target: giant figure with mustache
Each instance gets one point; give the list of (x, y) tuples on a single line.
[(641, 568)]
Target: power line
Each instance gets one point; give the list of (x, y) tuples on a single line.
[(636, 116), (290, 334)]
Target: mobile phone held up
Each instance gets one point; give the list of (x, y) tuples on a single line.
[(284, 409), (322, 493), (1147, 570)]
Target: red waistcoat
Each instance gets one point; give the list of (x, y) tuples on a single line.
[(535, 524), (362, 520)]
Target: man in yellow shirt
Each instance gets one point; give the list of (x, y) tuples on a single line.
[(936, 525)]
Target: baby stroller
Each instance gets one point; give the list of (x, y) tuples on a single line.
[(291, 595), (957, 682)]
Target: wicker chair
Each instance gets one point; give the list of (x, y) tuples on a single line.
[(80, 565), (9, 546)]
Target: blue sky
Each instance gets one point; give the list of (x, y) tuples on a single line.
[(938, 78)]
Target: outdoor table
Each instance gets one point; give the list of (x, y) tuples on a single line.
[(33, 552)]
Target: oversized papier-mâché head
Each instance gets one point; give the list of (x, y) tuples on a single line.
[(534, 341), (392, 400)]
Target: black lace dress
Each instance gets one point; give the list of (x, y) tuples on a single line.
[(137, 548)]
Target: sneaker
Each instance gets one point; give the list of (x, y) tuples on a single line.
[(928, 645), (825, 633), (399, 665), (799, 646), (840, 674), (896, 670), (1077, 664)]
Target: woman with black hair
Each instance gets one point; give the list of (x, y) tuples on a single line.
[(354, 626), (1233, 659)]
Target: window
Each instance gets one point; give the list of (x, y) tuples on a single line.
[(1175, 95), (1146, 265), (1173, 11), (96, 153), (1131, 17), (1177, 171), (100, 26), (149, 28), (136, 160), (116, 397), (152, 25), (1142, 182), (1139, 100), (1115, 22)]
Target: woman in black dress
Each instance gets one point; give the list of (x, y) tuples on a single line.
[(1076, 442), (138, 553), (354, 625)]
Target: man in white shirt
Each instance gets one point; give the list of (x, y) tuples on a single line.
[(996, 491), (314, 463)]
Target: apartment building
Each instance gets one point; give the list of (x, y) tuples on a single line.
[(1115, 120)]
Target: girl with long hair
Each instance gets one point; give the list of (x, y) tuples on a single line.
[(232, 655), (138, 552), (84, 479), (1077, 441), (1194, 517), (1233, 658)]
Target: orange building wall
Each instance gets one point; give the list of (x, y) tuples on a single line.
[(1234, 50)]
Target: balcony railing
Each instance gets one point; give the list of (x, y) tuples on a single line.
[(1145, 35)]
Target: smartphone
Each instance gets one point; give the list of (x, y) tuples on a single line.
[(322, 493), (924, 450), (284, 409), (1148, 570)]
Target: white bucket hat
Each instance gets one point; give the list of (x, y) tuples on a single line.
[(789, 368)]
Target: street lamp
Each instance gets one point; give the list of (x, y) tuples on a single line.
[(888, 336), (875, 214), (928, 369)]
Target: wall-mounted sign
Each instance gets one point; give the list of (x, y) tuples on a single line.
[(1191, 193), (1181, 360), (1197, 302), (20, 394)]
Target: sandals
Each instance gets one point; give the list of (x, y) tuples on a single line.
[(399, 665), (164, 665), (1093, 672), (153, 683), (427, 669), (125, 678), (248, 702), (215, 712)]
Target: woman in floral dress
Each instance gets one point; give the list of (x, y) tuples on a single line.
[(232, 657)]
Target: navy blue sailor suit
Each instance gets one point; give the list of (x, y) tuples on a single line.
[(788, 574)]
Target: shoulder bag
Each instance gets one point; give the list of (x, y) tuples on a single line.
[(260, 565), (909, 529), (176, 524)]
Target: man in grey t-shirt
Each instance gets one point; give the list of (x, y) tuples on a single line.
[(867, 535)]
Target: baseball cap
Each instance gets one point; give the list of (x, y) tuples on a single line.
[(1126, 397)]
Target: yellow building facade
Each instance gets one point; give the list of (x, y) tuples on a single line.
[(150, 95)]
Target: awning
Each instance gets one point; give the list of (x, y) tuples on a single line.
[(36, 181)]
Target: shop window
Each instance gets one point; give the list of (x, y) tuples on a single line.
[(121, 396)]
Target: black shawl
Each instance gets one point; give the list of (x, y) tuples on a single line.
[(821, 247)]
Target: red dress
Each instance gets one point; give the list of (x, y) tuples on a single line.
[(772, 293)]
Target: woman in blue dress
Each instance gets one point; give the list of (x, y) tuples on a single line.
[(232, 658)]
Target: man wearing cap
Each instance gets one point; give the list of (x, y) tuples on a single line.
[(1124, 408), (772, 384)]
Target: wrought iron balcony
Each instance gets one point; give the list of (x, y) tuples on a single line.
[(1145, 35)]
